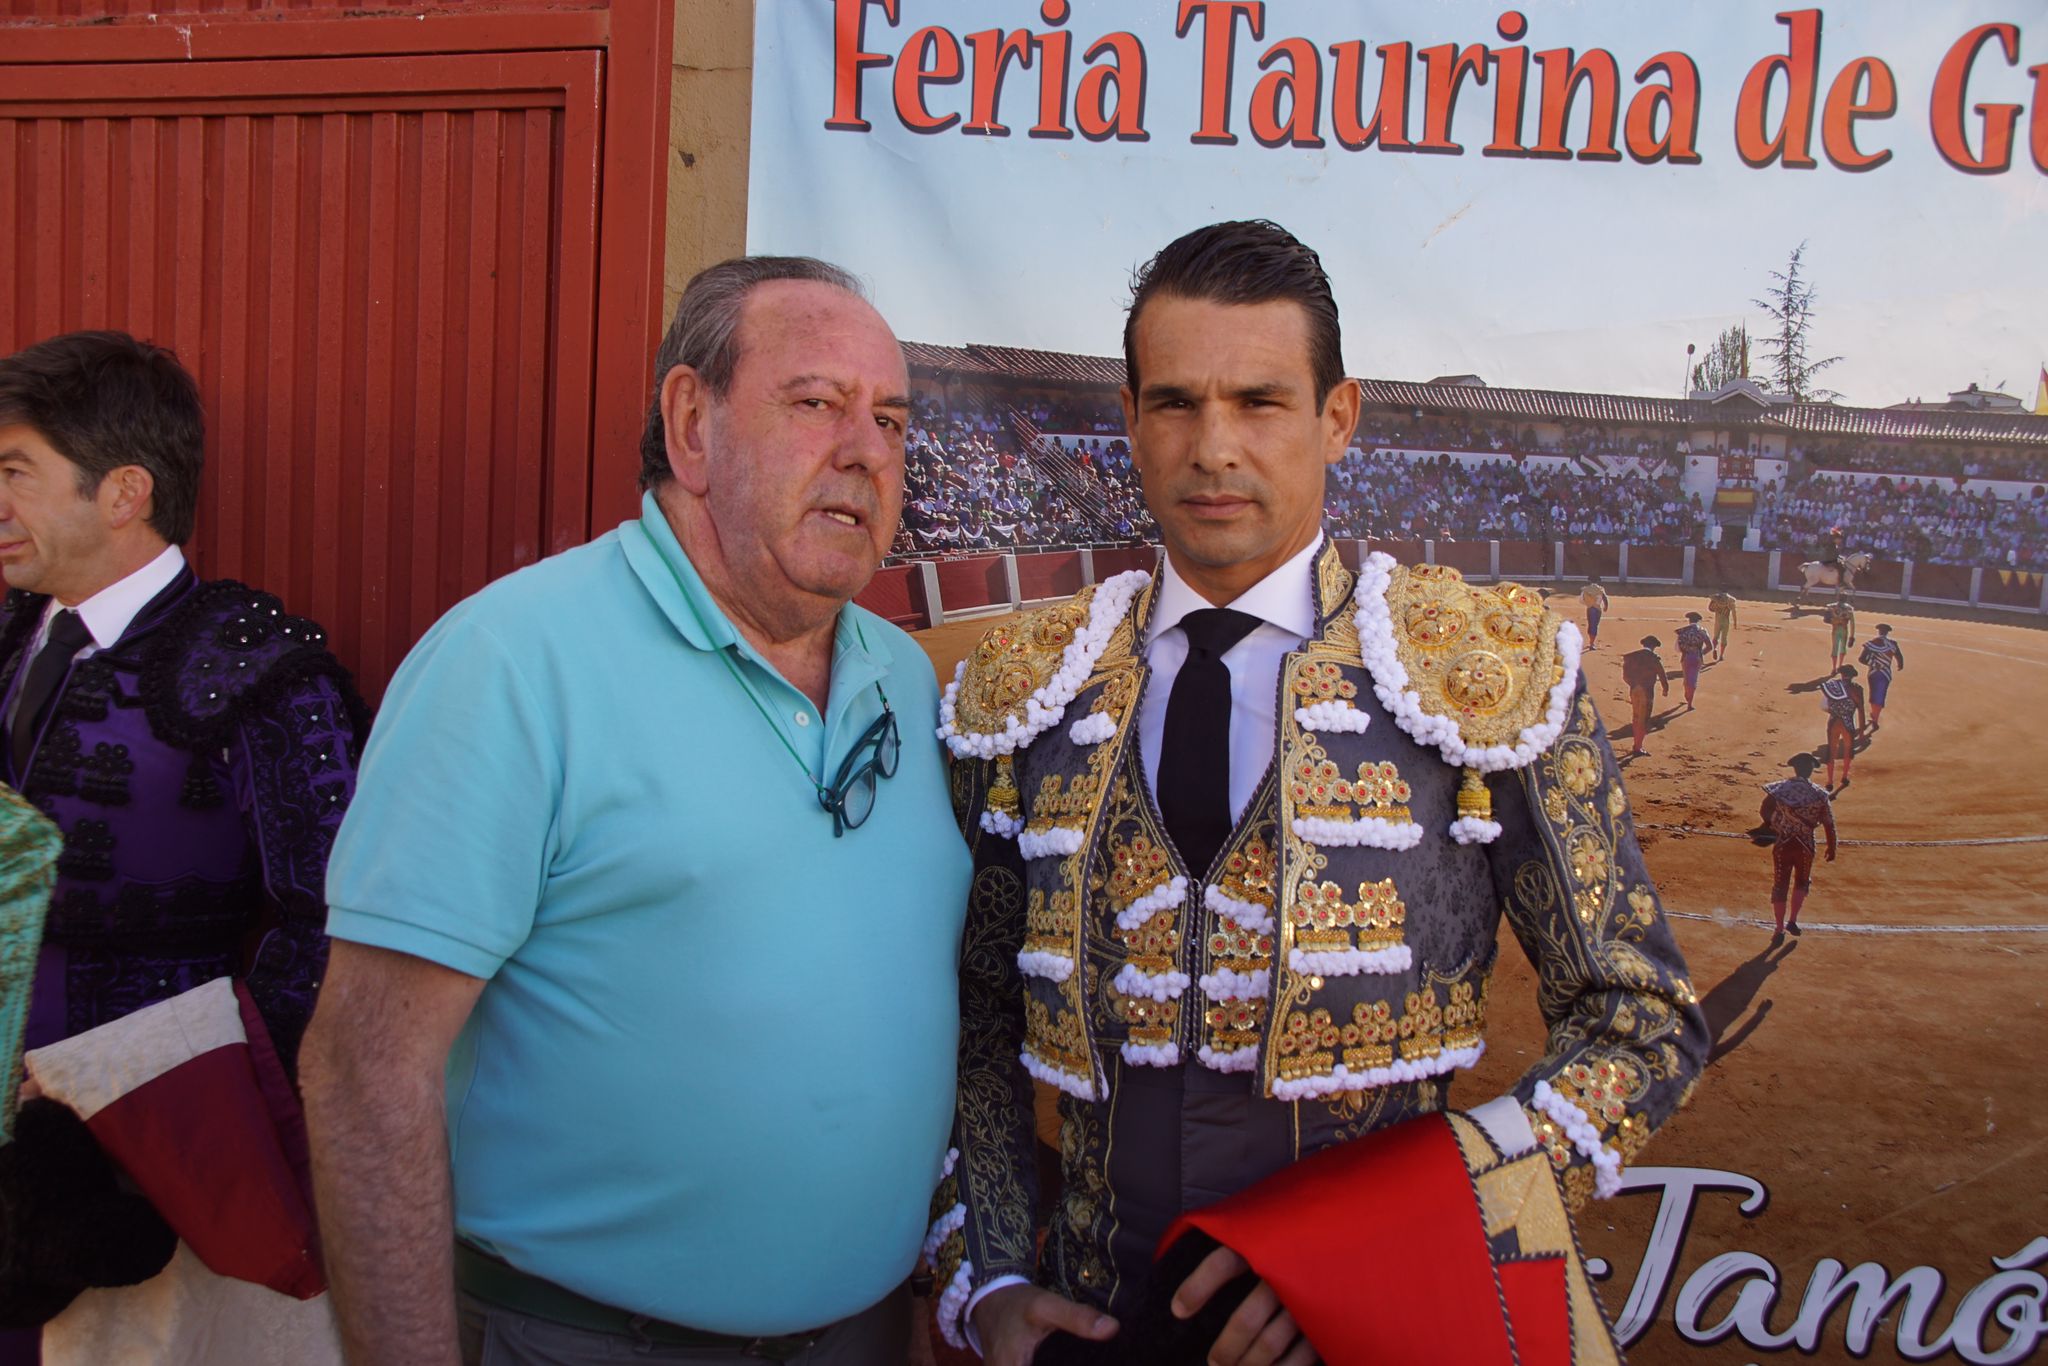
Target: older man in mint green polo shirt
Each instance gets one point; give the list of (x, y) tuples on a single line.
[(639, 1032)]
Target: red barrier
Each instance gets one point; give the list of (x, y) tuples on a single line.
[(1117, 559), (1526, 560), (1656, 562), (896, 593), (1404, 552), (968, 584), (1883, 576), (1948, 582), (1790, 576), (1056, 574), (1467, 557), (1351, 553), (1737, 569), (2009, 588), (1583, 560)]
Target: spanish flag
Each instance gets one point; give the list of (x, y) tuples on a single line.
[(2041, 394)]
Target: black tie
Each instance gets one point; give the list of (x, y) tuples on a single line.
[(45, 672), (1194, 755)]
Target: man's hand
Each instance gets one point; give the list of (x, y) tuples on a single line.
[(1260, 1333), (1011, 1322)]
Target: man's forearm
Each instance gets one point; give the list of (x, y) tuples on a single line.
[(380, 1177)]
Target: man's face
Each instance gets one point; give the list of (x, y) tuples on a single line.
[(1227, 439), (806, 448), (52, 537)]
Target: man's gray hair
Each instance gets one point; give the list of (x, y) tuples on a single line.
[(704, 334)]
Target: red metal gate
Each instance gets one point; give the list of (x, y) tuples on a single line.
[(421, 320)]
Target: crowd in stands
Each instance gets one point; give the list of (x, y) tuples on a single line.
[(1898, 457), (1397, 431), (972, 485), (1076, 414), (988, 471), (1910, 519), (1442, 499)]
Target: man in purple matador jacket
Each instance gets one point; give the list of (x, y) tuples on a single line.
[(196, 744)]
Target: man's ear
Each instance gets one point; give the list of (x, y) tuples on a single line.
[(1130, 402), (1340, 418), (685, 420), (126, 494)]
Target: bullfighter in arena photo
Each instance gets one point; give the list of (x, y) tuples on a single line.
[(1252, 993), (1842, 698), (1693, 644), (1883, 658), (1793, 809)]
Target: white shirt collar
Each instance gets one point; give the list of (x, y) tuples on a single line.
[(1283, 598), (108, 612)]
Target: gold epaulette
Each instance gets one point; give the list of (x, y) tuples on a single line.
[(1021, 674), (1013, 662), (1490, 669)]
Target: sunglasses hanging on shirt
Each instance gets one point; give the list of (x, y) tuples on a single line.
[(850, 799)]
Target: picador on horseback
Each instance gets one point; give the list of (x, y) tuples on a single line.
[(1832, 568)]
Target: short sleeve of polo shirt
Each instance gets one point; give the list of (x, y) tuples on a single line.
[(445, 848)]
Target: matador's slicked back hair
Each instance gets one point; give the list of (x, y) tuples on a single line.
[(1248, 262)]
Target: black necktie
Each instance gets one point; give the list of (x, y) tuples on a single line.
[(1194, 755), (45, 672)]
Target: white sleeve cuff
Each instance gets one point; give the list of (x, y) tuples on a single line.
[(967, 1314), (1506, 1123)]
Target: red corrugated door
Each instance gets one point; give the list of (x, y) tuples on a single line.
[(383, 272)]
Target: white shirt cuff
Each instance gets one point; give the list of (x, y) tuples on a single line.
[(1506, 1123), (967, 1314)]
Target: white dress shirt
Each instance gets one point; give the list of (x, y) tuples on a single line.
[(107, 613), (1286, 608)]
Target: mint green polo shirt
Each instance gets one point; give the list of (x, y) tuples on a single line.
[(710, 1076)]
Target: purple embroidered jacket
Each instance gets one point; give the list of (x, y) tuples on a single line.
[(199, 768)]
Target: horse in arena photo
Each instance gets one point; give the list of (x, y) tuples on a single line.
[(1840, 576)]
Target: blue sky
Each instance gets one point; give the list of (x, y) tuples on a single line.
[(1575, 274)]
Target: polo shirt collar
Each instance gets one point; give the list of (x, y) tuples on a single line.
[(672, 581), (678, 590)]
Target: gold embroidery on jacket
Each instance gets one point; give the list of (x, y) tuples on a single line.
[(1050, 922), (1136, 860), (1318, 788), (1014, 660), (1248, 869), (1067, 809), (1323, 681), (1137, 867), (1311, 1043), (1057, 1037), (1085, 1220), (1480, 656), (1230, 1023), (1324, 921)]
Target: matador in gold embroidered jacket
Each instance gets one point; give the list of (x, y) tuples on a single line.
[(1437, 765)]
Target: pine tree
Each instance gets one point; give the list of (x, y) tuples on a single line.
[(1790, 302)]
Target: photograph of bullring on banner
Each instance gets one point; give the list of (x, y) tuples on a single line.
[(1723, 327)]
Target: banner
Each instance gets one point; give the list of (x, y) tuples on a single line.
[(1696, 300)]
